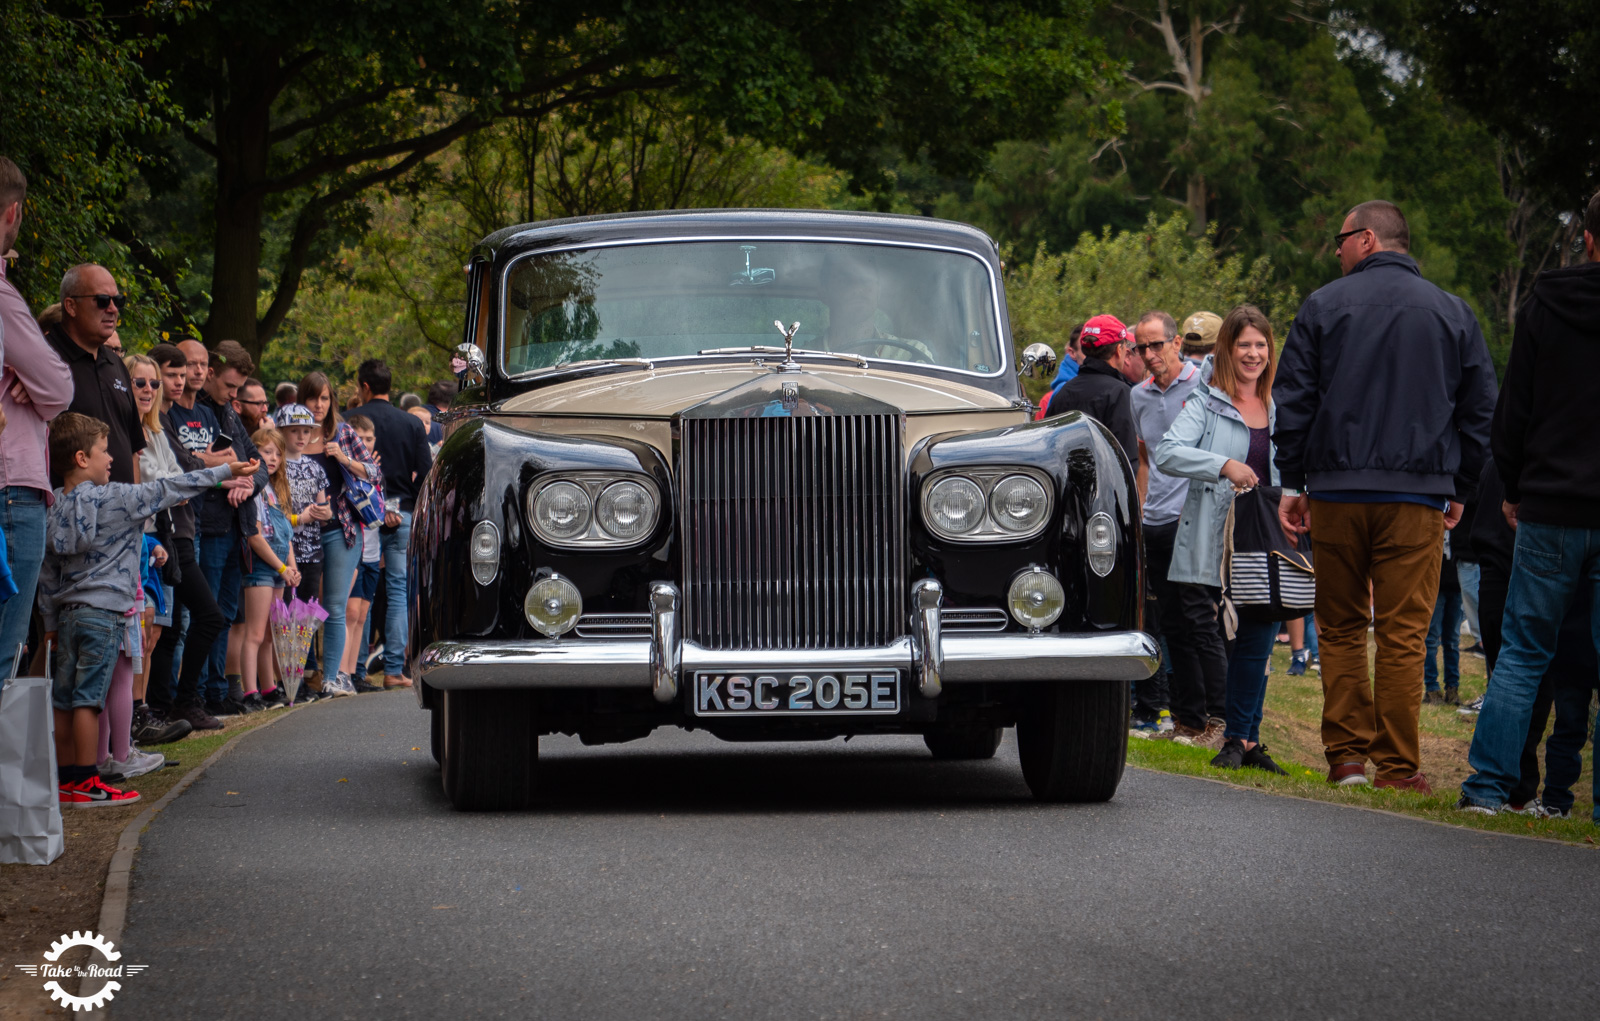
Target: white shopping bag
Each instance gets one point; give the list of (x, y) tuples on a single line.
[(30, 800)]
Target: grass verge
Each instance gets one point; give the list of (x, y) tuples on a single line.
[(40, 903), (1291, 728)]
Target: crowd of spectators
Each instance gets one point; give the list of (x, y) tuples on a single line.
[(1374, 424), (153, 507)]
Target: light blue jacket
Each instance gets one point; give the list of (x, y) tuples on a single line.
[(1207, 433)]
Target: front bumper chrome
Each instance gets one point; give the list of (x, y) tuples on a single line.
[(632, 663)]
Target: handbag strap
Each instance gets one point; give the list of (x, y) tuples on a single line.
[(1230, 615)]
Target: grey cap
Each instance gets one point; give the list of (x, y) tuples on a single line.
[(294, 414)]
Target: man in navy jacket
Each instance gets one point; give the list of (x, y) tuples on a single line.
[(1384, 396)]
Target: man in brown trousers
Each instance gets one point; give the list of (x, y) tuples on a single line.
[(1384, 396)]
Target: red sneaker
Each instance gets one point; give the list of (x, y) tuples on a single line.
[(1417, 783), (93, 793), (1348, 774)]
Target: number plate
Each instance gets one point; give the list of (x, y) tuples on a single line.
[(784, 693)]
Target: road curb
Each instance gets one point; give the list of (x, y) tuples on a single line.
[(114, 902)]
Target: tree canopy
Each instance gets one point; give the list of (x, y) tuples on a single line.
[(299, 110)]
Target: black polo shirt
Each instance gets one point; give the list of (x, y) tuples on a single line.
[(101, 389)]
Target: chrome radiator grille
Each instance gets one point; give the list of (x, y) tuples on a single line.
[(793, 532)]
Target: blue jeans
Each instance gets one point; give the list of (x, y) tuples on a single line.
[(219, 562), (1549, 566), (1311, 636), (339, 563), (395, 546), (1467, 575), (1247, 679), (1445, 630), (22, 520)]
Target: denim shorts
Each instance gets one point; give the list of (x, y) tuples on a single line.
[(366, 586), (260, 576), (88, 640)]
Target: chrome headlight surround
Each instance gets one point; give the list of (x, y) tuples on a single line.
[(990, 527), (594, 485)]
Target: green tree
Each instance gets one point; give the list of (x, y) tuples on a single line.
[(1529, 70), (1127, 273), (302, 109), (1243, 116), (78, 108), (398, 293)]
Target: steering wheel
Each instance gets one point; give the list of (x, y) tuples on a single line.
[(918, 354)]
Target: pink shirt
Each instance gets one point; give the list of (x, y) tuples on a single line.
[(31, 359)]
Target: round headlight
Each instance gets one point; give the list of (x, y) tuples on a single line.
[(485, 552), (553, 605), (1019, 503), (1035, 598), (955, 505), (561, 511), (626, 510)]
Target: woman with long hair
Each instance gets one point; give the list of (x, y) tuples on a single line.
[(156, 461), (338, 449), (1222, 442)]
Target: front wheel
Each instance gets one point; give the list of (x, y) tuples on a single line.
[(491, 749), (980, 743), (1072, 739)]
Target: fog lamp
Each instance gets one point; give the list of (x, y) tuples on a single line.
[(1035, 598), (553, 605)]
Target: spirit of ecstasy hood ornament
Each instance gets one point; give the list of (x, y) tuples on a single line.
[(788, 340)]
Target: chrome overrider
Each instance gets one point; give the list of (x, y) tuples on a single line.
[(659, 662), (926, 646)]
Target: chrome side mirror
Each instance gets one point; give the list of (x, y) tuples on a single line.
[(1037, 356), (477, 363)]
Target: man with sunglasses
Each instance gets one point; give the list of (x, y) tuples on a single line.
[(1186, 618), (1384, 396), (91, 307), (34, 388)]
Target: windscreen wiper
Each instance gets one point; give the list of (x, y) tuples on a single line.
[(584, 366)]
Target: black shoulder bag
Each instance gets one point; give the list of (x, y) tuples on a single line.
[(1266, 578)]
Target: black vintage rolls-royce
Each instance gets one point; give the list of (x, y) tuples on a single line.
[(772, 475)]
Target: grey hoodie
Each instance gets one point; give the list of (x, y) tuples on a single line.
[(94, 537)]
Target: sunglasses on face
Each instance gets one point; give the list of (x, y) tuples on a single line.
[(105, 301), (1340, 239), (147, 384), (1158, 345)]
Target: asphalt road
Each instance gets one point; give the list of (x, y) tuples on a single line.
[(318, 872)]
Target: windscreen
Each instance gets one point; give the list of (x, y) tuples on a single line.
[(682, 298)]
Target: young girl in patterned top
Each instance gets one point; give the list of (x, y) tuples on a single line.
[(308, 492), (272, 570)]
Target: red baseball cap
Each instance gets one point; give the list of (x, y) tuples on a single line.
[(1103, 330)]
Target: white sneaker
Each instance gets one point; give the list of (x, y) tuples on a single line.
[(138, 763)]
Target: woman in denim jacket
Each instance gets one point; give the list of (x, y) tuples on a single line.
[(1222, 442)]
